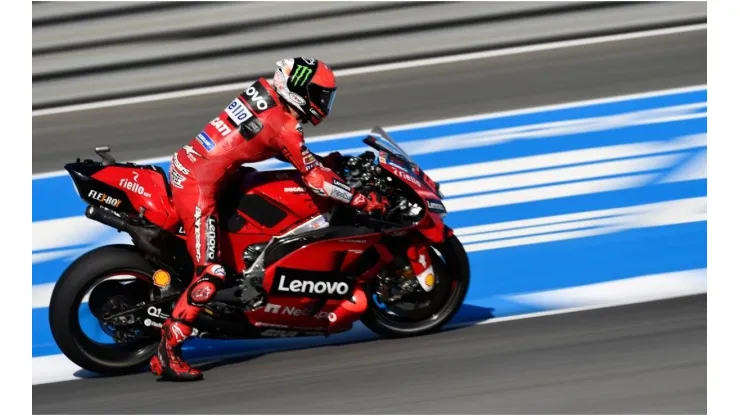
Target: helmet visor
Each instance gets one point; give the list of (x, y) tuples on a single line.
[(321, 96)]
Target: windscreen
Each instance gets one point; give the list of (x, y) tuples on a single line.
[(380, 140)]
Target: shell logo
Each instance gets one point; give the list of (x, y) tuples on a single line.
[(429, 280), (161, 278)]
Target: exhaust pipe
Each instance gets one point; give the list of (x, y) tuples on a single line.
[(141, 236), (108, 218)]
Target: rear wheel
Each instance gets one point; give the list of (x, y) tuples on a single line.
[(423, 313), (111, 279)]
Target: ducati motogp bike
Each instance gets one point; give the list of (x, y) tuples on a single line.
[(320, 266)]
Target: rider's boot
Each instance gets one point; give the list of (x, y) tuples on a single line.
[(168, 361)]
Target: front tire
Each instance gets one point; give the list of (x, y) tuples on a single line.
[(86, 273), (453, 272)]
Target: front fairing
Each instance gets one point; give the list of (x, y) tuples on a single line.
[(393, 159)]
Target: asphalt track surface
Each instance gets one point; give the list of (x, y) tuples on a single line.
[(647, 358), (639, 359), (158, 128)]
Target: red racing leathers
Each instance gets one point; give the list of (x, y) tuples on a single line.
[(254, 127)]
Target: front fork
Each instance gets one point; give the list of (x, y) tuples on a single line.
[(420, 264), (412, 262)]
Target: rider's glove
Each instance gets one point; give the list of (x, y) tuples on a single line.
[(372, 202)]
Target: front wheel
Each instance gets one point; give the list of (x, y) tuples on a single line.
[(430, 313), (98, 284)]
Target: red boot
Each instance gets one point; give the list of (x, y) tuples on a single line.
[(168, 361)]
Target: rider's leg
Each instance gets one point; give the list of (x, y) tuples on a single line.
[(196, 207)]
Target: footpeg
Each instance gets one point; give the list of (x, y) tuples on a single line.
[(253, 296)]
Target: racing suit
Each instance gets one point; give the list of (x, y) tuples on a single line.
[(254, 127)]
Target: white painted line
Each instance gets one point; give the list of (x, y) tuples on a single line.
[(42, 295), (570, 157), (695, 169), (661, 208), (543, 193), (540, 229), (550, 176), (636, 289), (51, 234), (53, 368), (642, 216), (554, 129), (386, 67), (536, 222), (57, 254), (491, 136)]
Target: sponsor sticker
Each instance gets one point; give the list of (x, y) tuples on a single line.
[(221, 126), (104, 198), (161, 278), (341, 194), (176, 180), (292, 282), (197, 233), (203, 291), (294, 189), (279, 333), (179, 166), (191, 152), (216, 270), (405, 176), (206, 141), (436, 206), (238, 112), (258, 98), (426, 279), (297, 99), (309, 161), (300, 75), (341, 184), (156, 312), (296, 311), (134, 186), (211, 241)]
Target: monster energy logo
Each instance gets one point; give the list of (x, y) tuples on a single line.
[(301, 75)]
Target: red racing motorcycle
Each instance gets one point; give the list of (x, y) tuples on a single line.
[(322, 266)]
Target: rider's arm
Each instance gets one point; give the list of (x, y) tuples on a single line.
[(322, 160), (320, 179)]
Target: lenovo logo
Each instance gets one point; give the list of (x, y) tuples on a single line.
[(314, 288), (292, 282)]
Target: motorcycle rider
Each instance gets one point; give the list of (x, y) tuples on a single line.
[(264, 121)]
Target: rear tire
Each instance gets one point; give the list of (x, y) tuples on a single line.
[(456, 269), (69, 290)]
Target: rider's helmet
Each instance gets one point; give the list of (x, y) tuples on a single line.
[(307, 85)]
